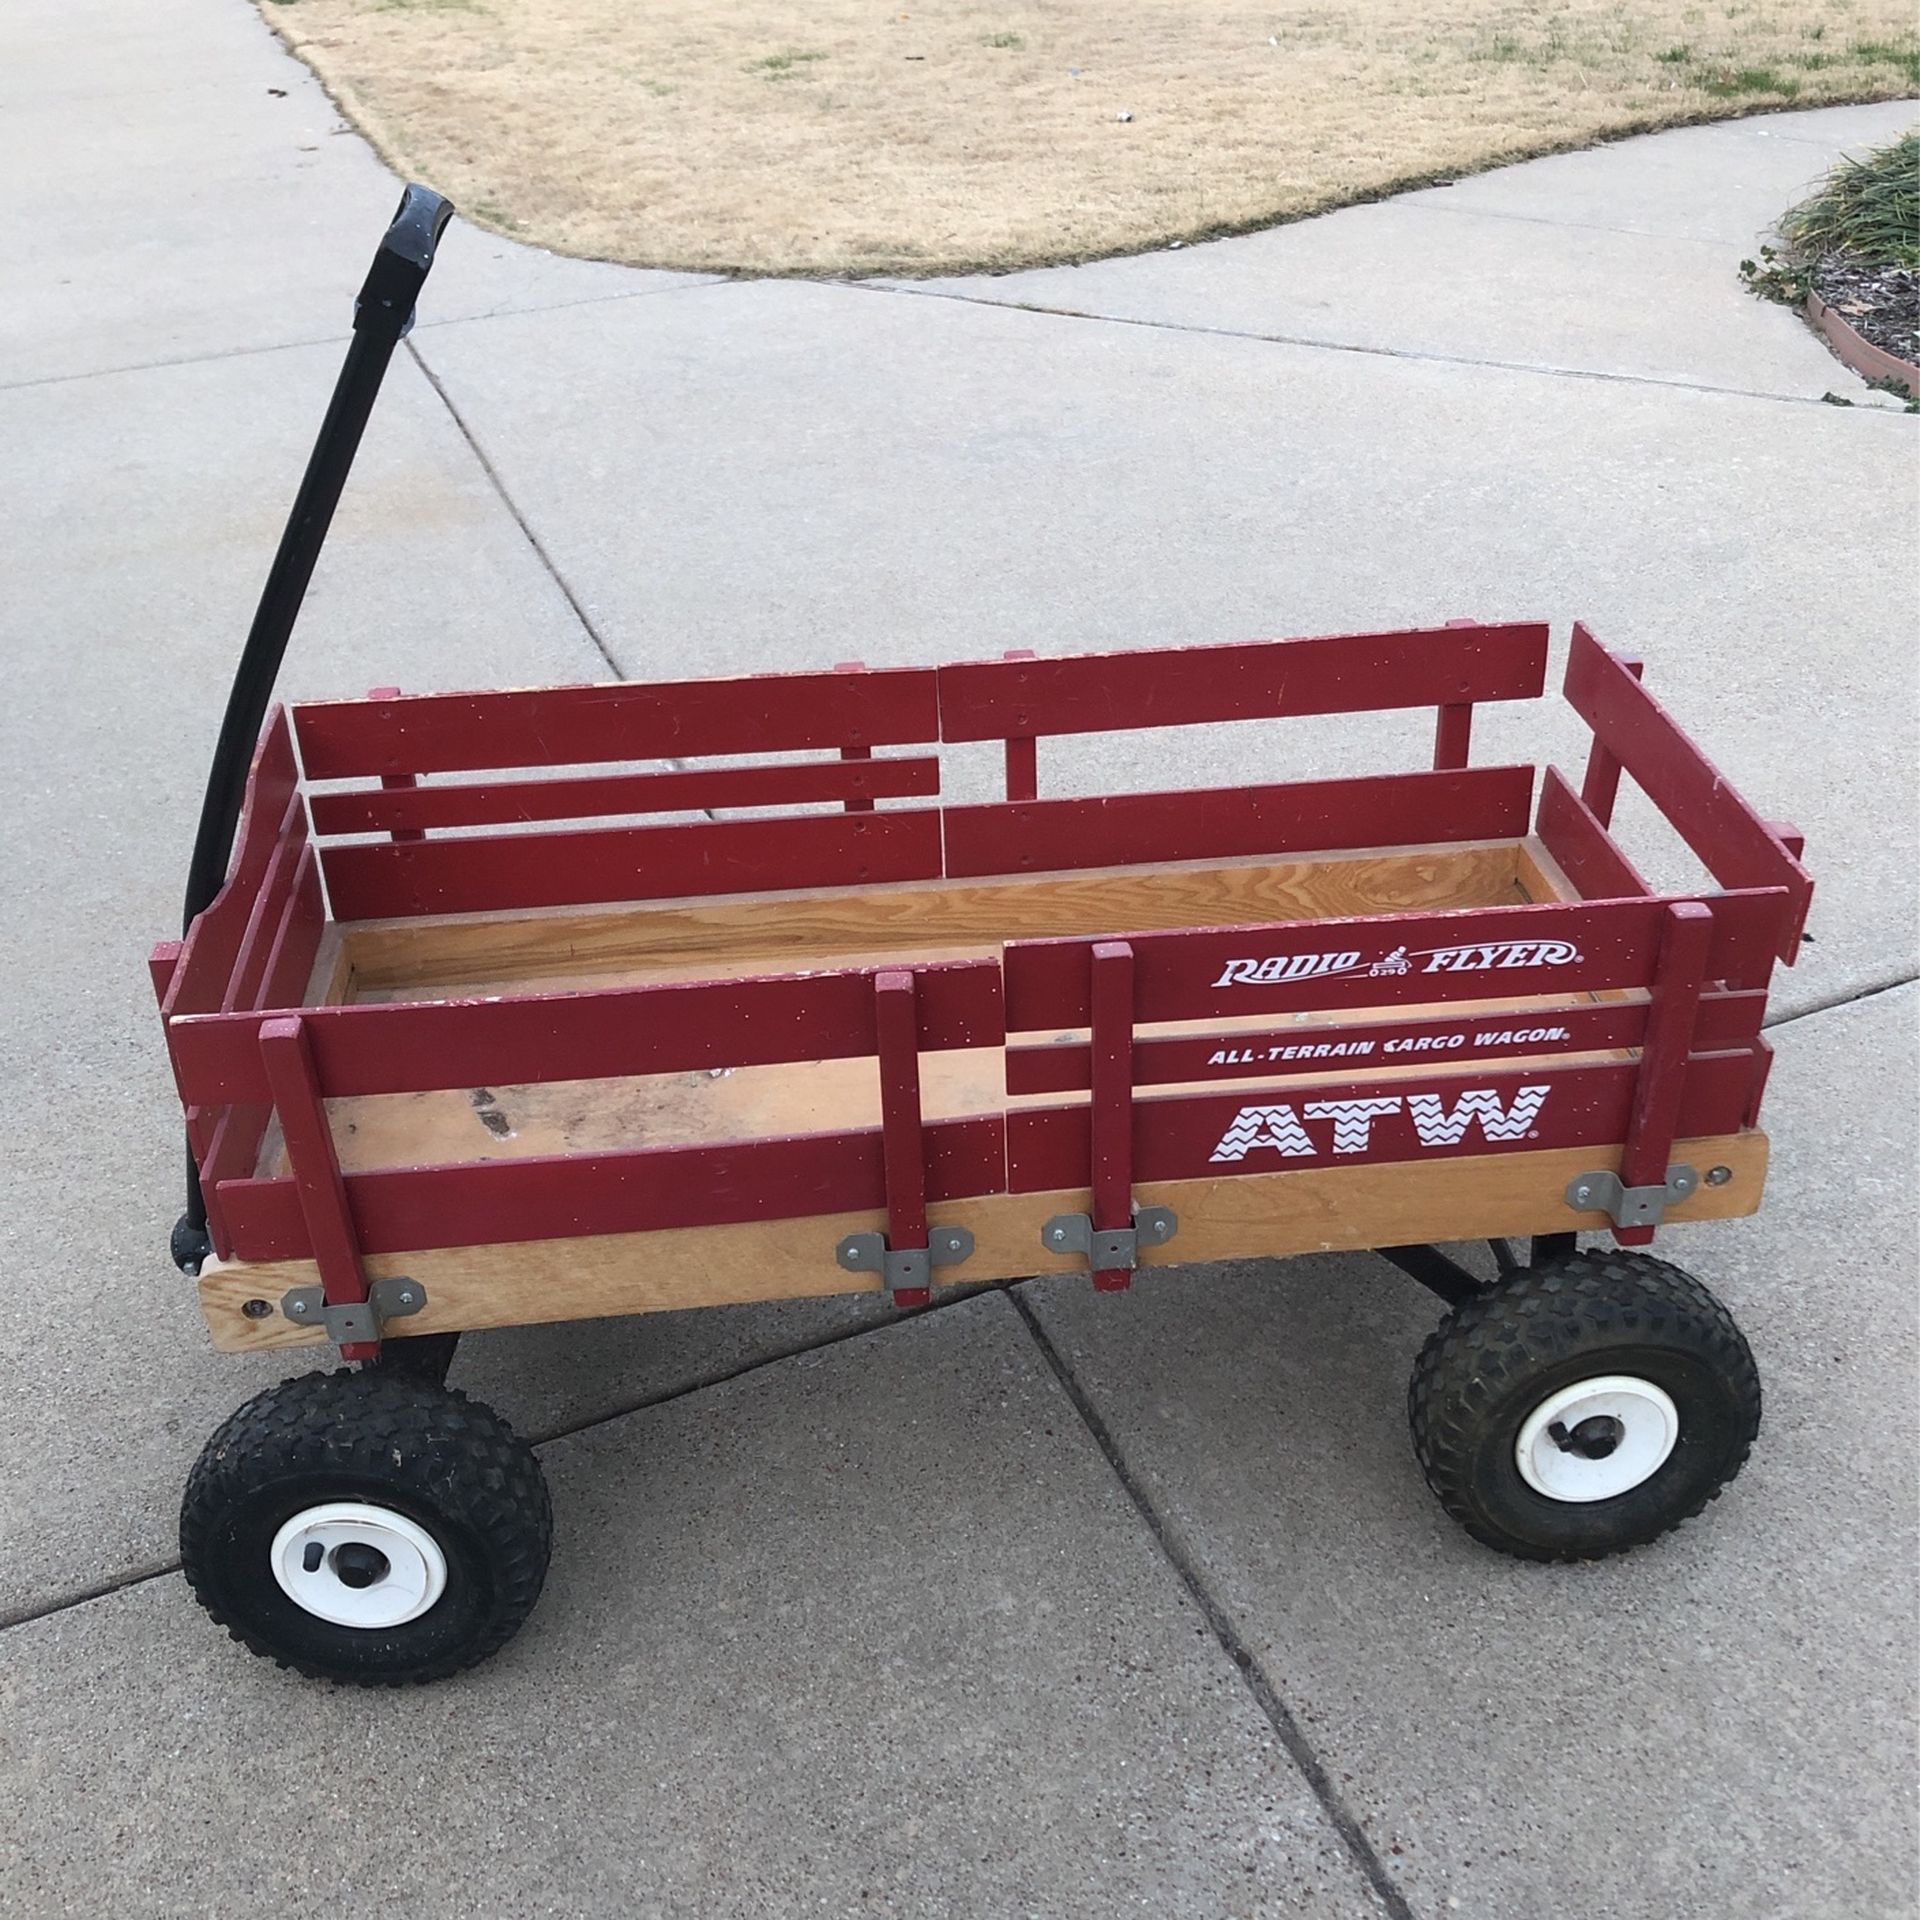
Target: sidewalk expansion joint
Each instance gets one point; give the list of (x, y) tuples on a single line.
[(1839, 1000), (520, 520), (1412, 355), (1366, 1857), (33, 1610)]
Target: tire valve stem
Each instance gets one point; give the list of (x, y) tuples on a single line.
[(314, 1554)]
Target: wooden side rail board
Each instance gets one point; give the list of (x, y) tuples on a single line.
[(1495, 1110), (619, 720), (1727, 1021), (1053, 836), (1387, 960), (1314, 1209), (547, 1197), (1586, 852), (584, 865), (521, 802), (1731, 841), (1247, 680), (679, 1027)]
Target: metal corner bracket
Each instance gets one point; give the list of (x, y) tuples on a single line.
[(1601, 1192), (1108, 1248), (354, 1319), (902, 1269)]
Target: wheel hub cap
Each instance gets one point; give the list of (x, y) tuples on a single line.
[(358, 1565), (1597, 1439)]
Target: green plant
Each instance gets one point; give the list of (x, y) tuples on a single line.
[(1012, 42), (1869, 208), (1774, 277)]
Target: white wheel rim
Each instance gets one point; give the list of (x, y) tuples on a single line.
[(356, 1590), (1630, 1418)]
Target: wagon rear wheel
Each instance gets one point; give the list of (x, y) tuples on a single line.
[(1579, 1408), (368, 1527)]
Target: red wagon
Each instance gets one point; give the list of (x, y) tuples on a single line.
[(475, 1032)]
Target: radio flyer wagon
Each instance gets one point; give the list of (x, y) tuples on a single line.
[(471, 1032)]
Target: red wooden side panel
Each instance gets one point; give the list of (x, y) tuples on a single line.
[(1234, 823), (272, 811), (566, 726), (1258, 1130), (1733, 843), (1482, 953), (1250, 680), (517, 802), (509, 871), (680, 1027), (1586, 851), (1726, 1021), (651, 1187)]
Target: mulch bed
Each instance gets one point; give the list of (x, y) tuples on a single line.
[(1882, 304)]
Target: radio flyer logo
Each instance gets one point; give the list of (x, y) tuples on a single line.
[(1479, 956)]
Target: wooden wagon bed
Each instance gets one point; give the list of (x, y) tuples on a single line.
[(436, 1029)]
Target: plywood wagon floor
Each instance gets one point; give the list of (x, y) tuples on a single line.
[(574, 950)]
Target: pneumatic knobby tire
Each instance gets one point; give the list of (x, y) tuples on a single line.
[(438, 1480), (1539, 1338)]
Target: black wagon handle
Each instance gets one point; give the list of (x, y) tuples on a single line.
[(381, 317)]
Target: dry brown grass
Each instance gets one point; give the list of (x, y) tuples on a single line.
[(835, 136)]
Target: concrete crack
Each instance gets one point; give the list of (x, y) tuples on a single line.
[(1287, 1729)]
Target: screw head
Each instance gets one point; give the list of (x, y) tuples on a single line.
[(1719, 1176)]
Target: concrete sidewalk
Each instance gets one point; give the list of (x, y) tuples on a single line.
[(1039, 1602)]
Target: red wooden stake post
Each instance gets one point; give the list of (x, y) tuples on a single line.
[(1112, 1100), (896, 1026), (287, 1055), (1679, 975), (397, 782)]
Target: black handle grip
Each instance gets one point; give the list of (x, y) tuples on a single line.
[(401, 266)]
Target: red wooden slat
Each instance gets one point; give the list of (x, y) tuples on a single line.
[(1111, 1105), (290, 962), (518, 802), (1261, 679), (557, 1196), (1350, 1123), (1587, 853), (1678, 979), (271, 810), (1384, 960), (582, 866), (1731, 840), (1727, 1020), (1133, 829), (271, 905), (566, 726), (902, 1136), (679, 1027)]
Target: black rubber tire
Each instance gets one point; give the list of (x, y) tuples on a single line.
[(446, 1462), (1495, 1358)]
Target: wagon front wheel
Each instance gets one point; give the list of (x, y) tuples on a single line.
[(1579, 1408), (368, 1528)]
